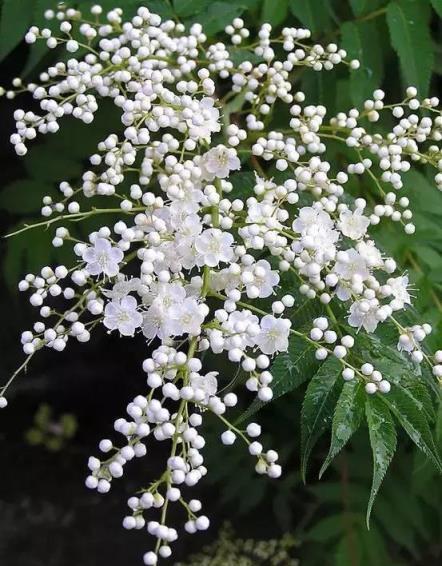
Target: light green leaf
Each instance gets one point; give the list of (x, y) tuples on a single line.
[(382, 434), (311, 13), (415, 422), (346, 420), (361, 41), (16, 18), (411, 39), (317, 408), (274, 12)]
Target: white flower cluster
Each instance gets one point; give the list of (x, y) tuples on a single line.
[(204, 264)]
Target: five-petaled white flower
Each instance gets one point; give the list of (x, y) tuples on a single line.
[(399, 291), (214, 246), (103, 258), (122, 315), (208, 384), (203, 119), (364, 314), (274, 335), (353, 224), (218, 162)]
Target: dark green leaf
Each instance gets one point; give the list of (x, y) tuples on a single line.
[(346, 420), (317, 408), (185, 8), (16, 18), (383, 442), (312, 14), (411, 38), (362, 7), (217, 16), (415, 422), (361, 42), (24, 196), (290, 369), (437, 5), (274, 12)]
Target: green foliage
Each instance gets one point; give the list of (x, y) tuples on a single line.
[(410, 37), (347, 418), (317, 408), (383, 442), (49, 433)]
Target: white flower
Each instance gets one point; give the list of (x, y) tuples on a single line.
[(354, 268), (399, 291), (204, 119), (214, 246), (274, 335), (309, 216), (206, 383), (122, 315), (364, 314), (370, 253), (102, 258), (320, 239), (122, 288), (264, 279), (218, 162), (353, 224), (186, 317)]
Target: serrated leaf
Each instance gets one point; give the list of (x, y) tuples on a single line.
[(290, 369), (311, 14), (274, 12), (382, 434), (411, 39), (414, 421), (317, 408), (16, 18), (361, 41), (346, 420)]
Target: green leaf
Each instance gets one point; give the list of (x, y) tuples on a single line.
[(361, 41), (290, 369), (317, 408), (312, 14), (274, 12), (326, 529), (185, 8), (411, 39), (216, 16), (243, 184), (361, 7), (16, 18), (414, 421), (437, 5), (23, 196), (20, 257), (382, 434), (346, 420)]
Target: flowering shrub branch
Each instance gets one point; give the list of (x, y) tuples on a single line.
[(193, 264)]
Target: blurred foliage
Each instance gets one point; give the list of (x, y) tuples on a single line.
[(228, 550), (50, 433), (398, 43)]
